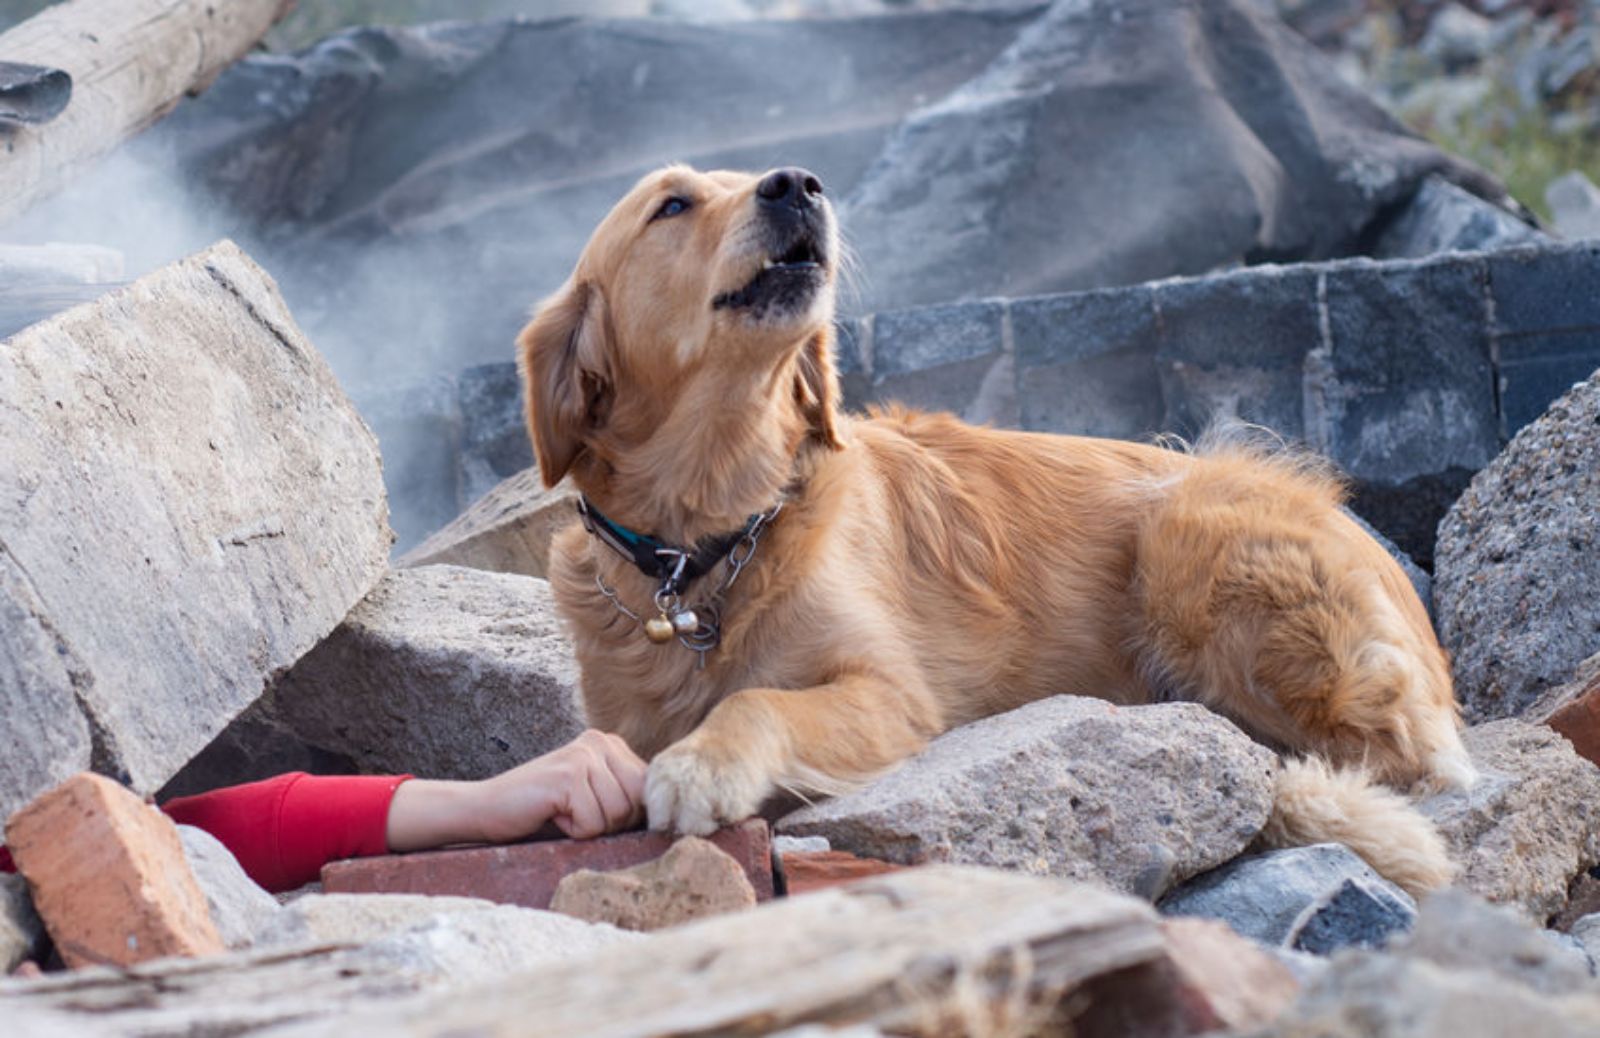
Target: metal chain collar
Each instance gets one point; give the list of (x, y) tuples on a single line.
[(707, 635)]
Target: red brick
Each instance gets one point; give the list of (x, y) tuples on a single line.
[(1579, 720), (1210, 980), (108, 876), (805, 871), (527, 873)]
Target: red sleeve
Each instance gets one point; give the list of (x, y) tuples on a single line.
[(284, 829)]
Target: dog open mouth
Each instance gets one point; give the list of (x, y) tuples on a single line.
[(786, 281)]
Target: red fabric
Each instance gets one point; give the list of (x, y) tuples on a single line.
[(284, 829)]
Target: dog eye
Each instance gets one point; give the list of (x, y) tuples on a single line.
[(671, 207)]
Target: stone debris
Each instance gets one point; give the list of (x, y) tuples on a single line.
[(1464, 971), (805, 871), (357, 918), (1519, 555), (1574, 202), (238, 907), (1573, 709), (108, 876), (1313, 899), (527, 874), (693, 880), (132, 642), (1532, 823), (441, 671), (508, 530), (1137, 797), (21, 932), (1209, 979)]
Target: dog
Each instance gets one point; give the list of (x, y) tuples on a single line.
[(769, 594)]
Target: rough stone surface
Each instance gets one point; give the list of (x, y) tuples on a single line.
[(1313, 899), (1586, 931), (1519, 559), (1574, 205), (440, 671), (693, 880), (108, 876), (1235, 176), (527, 873), (20, 928), (248, 509), (508, 530), (1441, 217), (1573, 709), (1210, 980), (1532, 823), (238, 907), (1464, 971), (1137, 797), (933, 951), (1546, 325), (358, 918)]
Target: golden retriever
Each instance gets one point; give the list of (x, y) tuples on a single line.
[(921, 572)]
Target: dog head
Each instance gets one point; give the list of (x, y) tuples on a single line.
[(703, 303)]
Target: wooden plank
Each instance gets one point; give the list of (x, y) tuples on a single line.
[(130, 62)]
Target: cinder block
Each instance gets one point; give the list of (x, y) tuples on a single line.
[(109, 876), (933, 336), (1086, 363), (527, 873)]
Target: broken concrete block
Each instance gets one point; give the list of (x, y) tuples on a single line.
[(1138, 797), (1530, 826), (20, 929), (188, 503), (238, 907), (693, 880), (1313, 899), (1209, 980), (527, 873), (441, 671), (935, 951), (507, 530), (108, 876)]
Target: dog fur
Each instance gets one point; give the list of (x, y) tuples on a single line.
[(923, 572)]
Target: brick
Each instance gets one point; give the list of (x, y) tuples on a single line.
[(1573, 709), (806, 871), (693, 880), (527, 874), (108, 876), (1208, 980)]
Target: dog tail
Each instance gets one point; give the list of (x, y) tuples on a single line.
[(1318, 803)]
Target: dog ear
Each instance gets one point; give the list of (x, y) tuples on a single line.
[(566, 379), (816, 388)]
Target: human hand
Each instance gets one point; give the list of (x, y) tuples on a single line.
[(592, 785)]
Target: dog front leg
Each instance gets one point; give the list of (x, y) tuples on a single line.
[(825, 739)]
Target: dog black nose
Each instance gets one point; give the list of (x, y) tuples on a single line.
[(794, 187)]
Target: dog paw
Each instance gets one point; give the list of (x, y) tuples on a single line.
[(688, 791)]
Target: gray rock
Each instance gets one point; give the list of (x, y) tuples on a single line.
[(420, 432), (358, 918), (256, 745), (1574, 203), (1531, 824), (1465, 969), (441, 671), (239, 908), (1222, 170), (494, 431), (1442, 217), (507, 530), (1519, 559), (1546, 325), (1586, 931), (1312, 899), (1456, 37), (1137, 797), (188, 503), (21, 931)]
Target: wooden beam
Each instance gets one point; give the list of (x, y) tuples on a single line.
[(130, 61)]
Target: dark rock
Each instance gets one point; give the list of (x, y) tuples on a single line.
[(1519, 553), (494, 429), (256, 745), (1086, 363), (1547, 325), (948, 358), (419, 431), (1314, 899), (1026, 179), (1441, 217)]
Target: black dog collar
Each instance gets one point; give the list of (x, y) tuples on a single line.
[(673, 567)]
